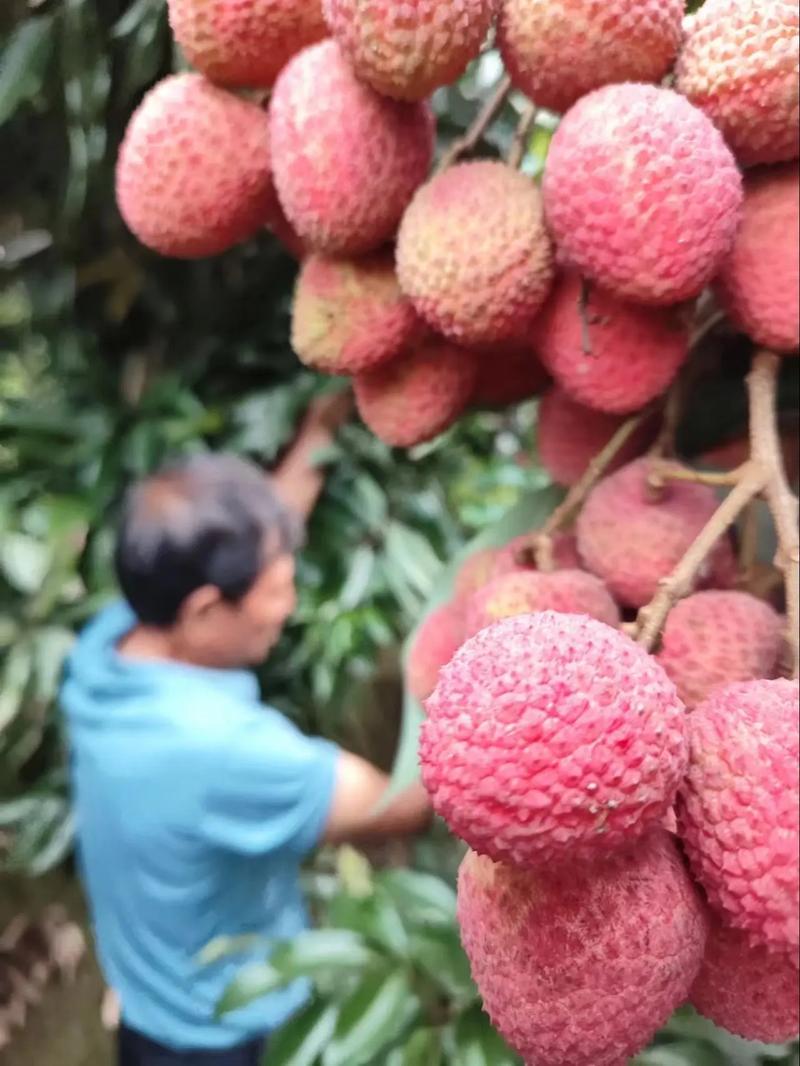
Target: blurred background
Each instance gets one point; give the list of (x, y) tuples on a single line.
[(111, 359)]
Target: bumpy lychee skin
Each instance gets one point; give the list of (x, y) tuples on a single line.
[(508, 374), (473, 253), (641, 193), (244, 44), (759, 282), (529, 591), (750, 991), (193, 175), (558, 50), (739, 809), (716, 638), (436, 642), (416, 397), (349, 314), (552, 736), (632, 537), (611, 355), (487, 563), (570, 435), (581, 964), (739, 64), (347, 161), (408, 50)]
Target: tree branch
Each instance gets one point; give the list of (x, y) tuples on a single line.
[(762, 383), (517, 151), (481, 123), (573, 501), (669, 470)]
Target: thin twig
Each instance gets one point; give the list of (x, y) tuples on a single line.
[(669, 470), (681, 581), (764, 472), (517, 151), (573, 501), (762, 383), (483, 120), (664, 444)]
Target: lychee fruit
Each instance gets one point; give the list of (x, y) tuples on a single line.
[(282, 229), (193, 175), (474, 572), (579, 965), (244, 45), (750, 991), (641, 193), (759, 282), (551, 737), (508, 374), (406, 51), (606, 353), (528, 591), (435, 643), (633, 536), (346, 160), (349, 314), (570, 435), (738, 63), (558, 50), (473, 253), (715, 638), (739, 809), (415, 398)]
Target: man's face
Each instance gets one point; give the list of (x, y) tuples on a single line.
[(218, 633)]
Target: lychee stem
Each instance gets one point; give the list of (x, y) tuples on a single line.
[(666, 470), (479, 126), (517, 151), (681, 581), (542, 543), (764, 472), (765, 444)]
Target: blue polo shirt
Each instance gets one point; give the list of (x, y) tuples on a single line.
[(195, 806)]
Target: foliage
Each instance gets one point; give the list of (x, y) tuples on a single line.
[(113, 358)]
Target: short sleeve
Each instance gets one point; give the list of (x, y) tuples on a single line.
[(270, 789)]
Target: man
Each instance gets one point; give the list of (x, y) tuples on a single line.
[(195, 803)]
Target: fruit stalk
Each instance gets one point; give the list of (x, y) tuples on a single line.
[(479, 126), (517, 151), (764, 472), (573, 501)]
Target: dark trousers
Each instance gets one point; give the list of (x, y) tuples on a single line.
[(137, 1050)]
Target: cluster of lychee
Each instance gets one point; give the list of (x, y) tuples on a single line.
[(471, 287), (632, 818)]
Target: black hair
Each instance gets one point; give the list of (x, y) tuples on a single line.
[(206, 520)]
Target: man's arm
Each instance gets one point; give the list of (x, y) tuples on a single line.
[(358, 791), (297, 480)]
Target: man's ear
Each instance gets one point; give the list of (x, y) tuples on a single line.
[(199, 603)]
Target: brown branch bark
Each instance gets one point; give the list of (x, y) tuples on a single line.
[(765, 473), (668, 470), (479, 126), (517, 151), (573, 501)]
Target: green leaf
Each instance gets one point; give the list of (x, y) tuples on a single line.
[(222, 947), (422, 898), (375, 917), (371, 1018), (253, 981), (424, 1048), (23, 63), (303, 1039), (682, 1053), (477, 1043), (324, 952), (24, 561), (439, 954)]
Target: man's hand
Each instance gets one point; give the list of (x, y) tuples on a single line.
[(298, 481), (356, 813)]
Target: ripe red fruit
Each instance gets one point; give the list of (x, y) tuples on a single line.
[(437, 640)]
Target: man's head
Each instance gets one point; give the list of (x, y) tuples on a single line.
[(205, 555)]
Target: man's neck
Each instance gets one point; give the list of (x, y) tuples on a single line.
[(147, 642)]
